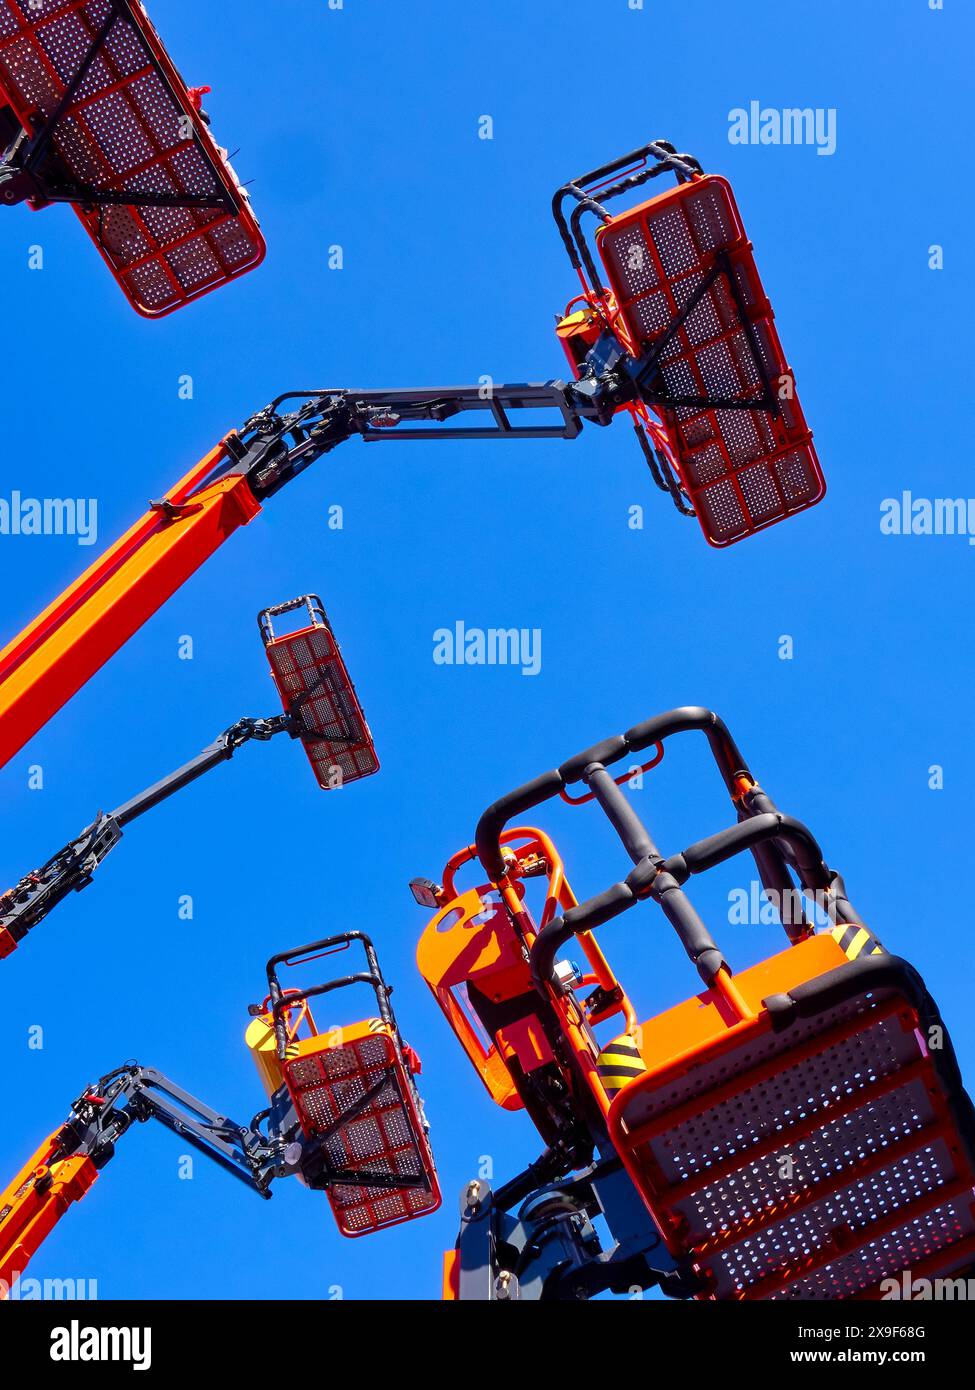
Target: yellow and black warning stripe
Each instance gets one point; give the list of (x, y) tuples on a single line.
[(856, 941), (618, 1063)]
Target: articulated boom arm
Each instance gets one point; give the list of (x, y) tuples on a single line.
[(42, 668), (23, 907), (66, 1165)]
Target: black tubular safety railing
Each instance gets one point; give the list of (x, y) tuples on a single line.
[(780, 845), (583, 188)]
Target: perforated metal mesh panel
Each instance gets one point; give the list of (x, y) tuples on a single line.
[(815, 1173), (312, 680), (130, 129), (384, 1137), (742, 469)]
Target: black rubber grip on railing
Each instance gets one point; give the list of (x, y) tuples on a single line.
[(694, 936), (608, 750)]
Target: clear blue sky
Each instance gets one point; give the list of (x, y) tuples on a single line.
[(360, 128)]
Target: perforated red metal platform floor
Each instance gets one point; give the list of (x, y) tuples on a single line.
[(385, 1137)]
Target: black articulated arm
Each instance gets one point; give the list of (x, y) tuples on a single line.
[(242, 1150), (612, 373), (62, 1170), (276, 444), (298, 427), (38, 893), (71, 869), (134, 1094), (220, 751)]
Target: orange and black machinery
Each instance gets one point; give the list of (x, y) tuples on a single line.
[(797, 1130), (320, 708), (344, 1117), (680, 340), (94, 113)]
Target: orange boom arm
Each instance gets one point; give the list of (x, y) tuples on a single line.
[(34, 1203), (56, 654)]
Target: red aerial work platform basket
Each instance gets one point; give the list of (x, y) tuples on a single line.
[(678, 320), (107, 124), (353, 1091), (685, 253), (315, 688)]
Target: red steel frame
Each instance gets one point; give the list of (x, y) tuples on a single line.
[(314, 684), (31, 29), (663, 1198)]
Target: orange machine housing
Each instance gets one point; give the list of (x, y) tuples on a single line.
[(481, 939), (471, 941)]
